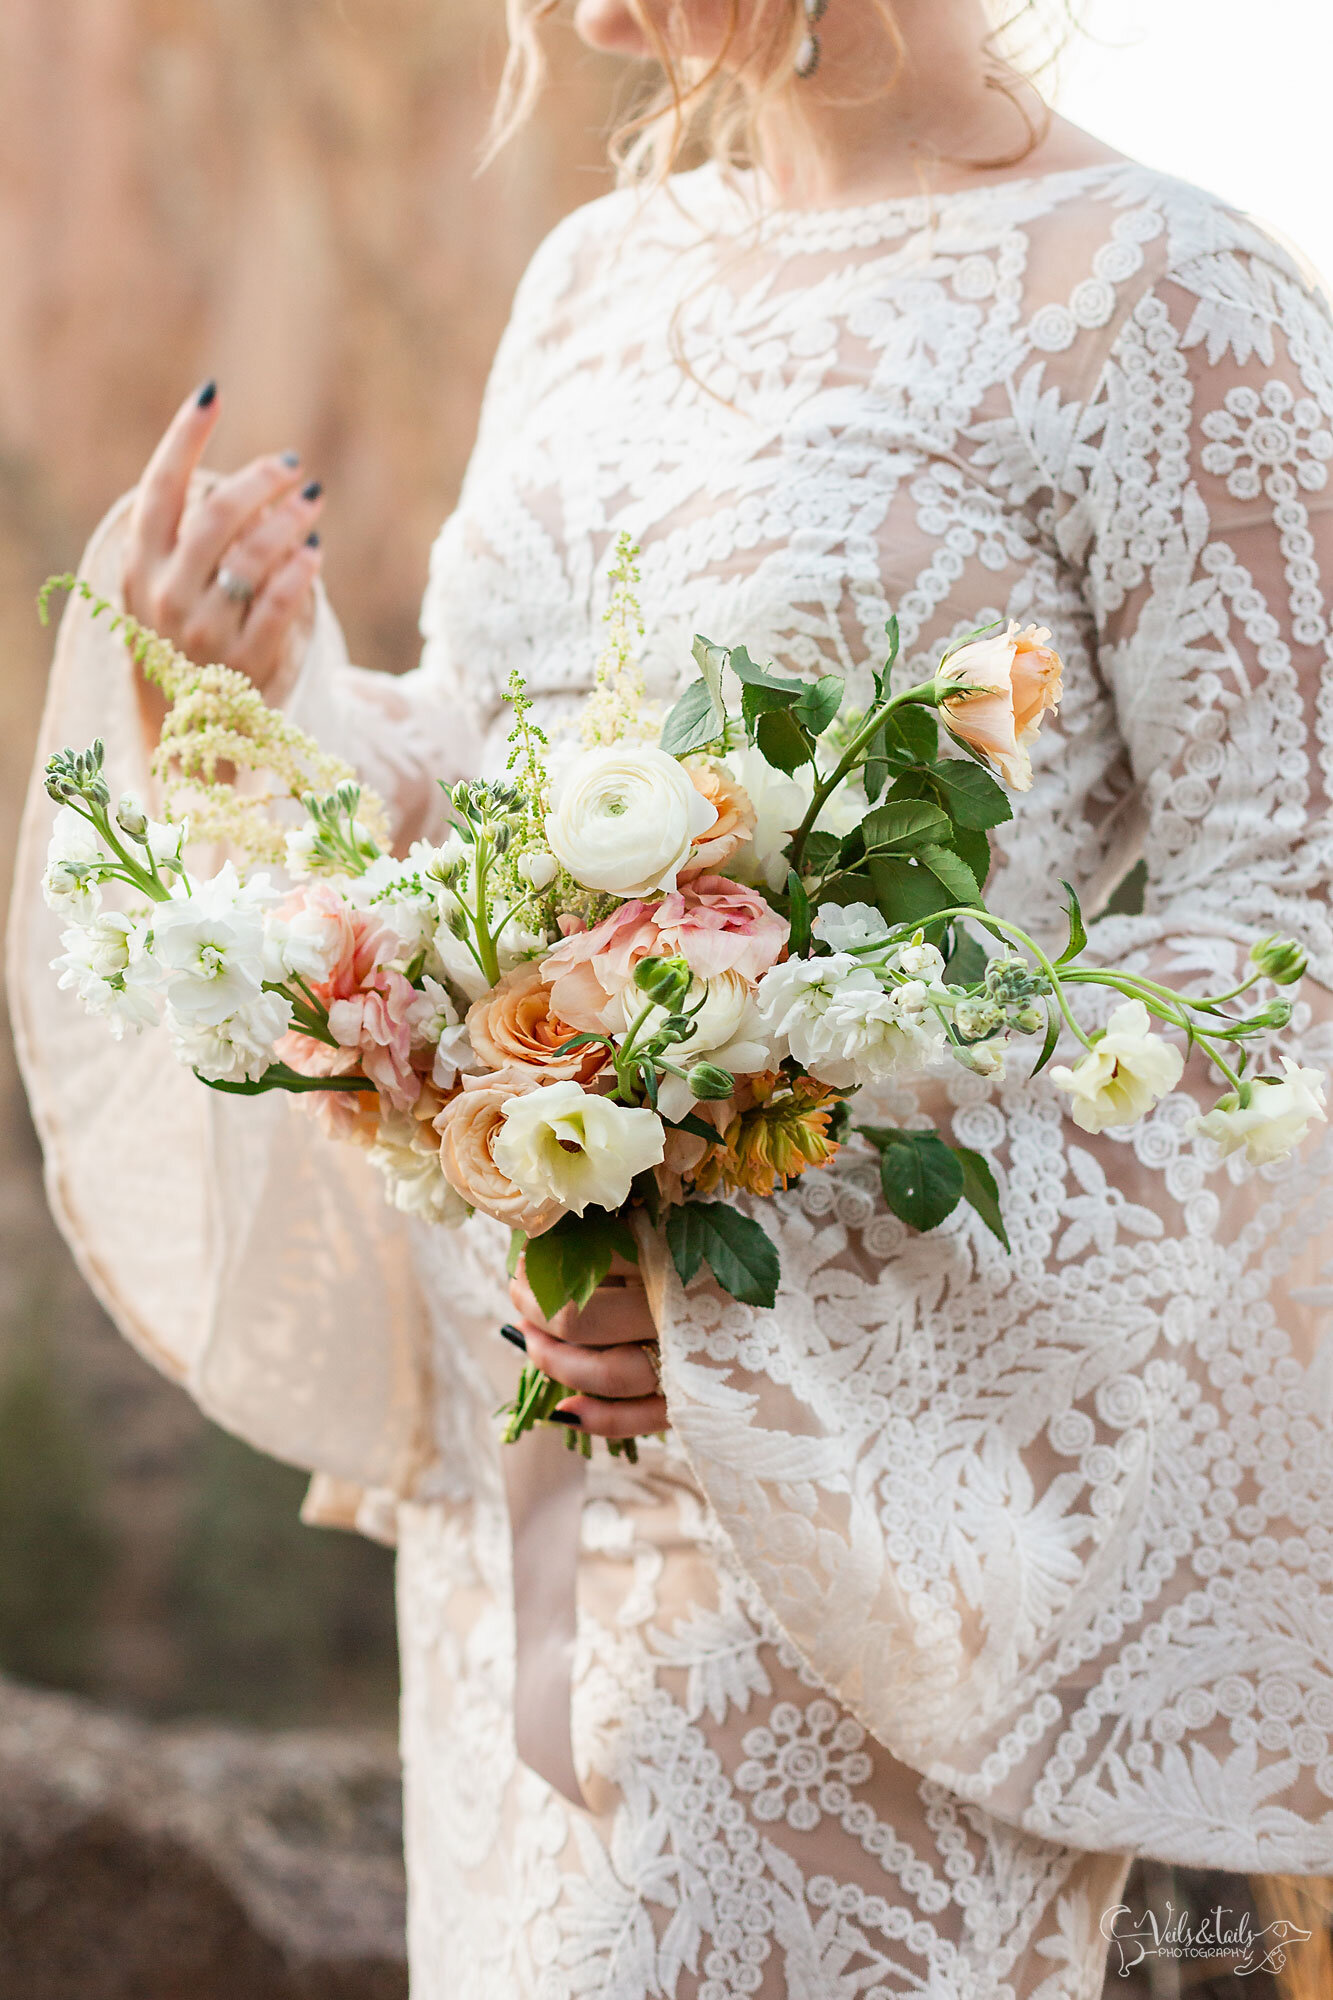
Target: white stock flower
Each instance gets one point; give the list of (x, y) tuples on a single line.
[(300, 850), (166, 842), (983, 1058), (841, 1025), (407, 1153), (538, 868), (236, 1050), (74, 850), (1274, 1122), (919, 961), (844, 926), (212, 947), (1122, 1075), (563, 1144), (105, 964), (626, 818), (435, 1025)]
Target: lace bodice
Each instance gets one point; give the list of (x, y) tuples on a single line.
[(961, 1571)]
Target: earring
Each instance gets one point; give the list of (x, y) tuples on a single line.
[(807, 56)]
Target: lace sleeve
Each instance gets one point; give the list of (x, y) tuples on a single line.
[(1056, 1526)]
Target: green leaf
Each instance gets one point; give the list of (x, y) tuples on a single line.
[(903, 826), (911, 735), (738, 1252), (710, 660), (891, 630), (980, 1191), (278, 1077), (966, 963), (518, 1243), (789, 686), (695, 720), (874, 776), (692, 1123), (1127, 897), (569, 1262), (1053, 1018), (1078, 935), (970, 795), (975, 849), (798, 911), (782, 741), (820, 703), (904, 893), (822, 849), (921, 1177), (950, 868)]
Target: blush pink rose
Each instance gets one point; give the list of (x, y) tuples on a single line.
[(716, 926), (350, 942), (376, 1021)]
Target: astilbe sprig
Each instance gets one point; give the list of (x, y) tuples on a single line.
[(217, 726), (615, 706)]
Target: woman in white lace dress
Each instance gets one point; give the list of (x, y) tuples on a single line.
[(959, 1577)]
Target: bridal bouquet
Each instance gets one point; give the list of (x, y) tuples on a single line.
[(645, 970)]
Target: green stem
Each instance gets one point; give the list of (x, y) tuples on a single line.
[(924, 694)]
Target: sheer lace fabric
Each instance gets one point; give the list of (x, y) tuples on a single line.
[(961, 1573)]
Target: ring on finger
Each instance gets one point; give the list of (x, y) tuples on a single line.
[(235, 586)]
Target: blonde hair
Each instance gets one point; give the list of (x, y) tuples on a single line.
[(710, 111)]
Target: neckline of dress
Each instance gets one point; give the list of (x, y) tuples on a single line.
[(735, 188)]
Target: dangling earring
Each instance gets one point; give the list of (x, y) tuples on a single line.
[(807, 56)]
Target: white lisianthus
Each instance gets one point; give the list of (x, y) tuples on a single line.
[(236, 1050), (72, 857), (625, 820), (563, 1144), (538, 868), (407, 1153), (1123, 1075), (1277, 1118), (106, 965), (840, 1024), (844, 926), (212, 948)]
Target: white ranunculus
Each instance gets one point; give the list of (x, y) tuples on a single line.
[(1122, 1075), (238, 1049), (844, 926), (561, 1143), (105, 964), (1275, 1121), (212, 948), (407, 1153), (625, 820)]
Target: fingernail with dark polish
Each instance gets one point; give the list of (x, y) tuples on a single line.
[(312, 541), (206, 395), (291, 458), (514, 1337), (312, 491), (567, 1417)]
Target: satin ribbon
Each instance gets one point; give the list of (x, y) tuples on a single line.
[(544, 1485)]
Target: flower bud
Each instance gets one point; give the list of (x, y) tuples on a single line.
[(974, 1018), (665, 980), (1280, 959), (1029, 1019), (131, 817), (708, 1080), (538, 868)]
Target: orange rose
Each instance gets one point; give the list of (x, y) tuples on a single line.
[(1014, 677), (515, 1024), (468, 1127), (735, 822)]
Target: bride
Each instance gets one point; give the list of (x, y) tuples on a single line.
[(960, 1577)]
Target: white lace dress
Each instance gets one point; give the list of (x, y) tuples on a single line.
[(962, 1575)]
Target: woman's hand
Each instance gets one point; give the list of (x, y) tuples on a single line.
[(228, 575), (607, 1354)]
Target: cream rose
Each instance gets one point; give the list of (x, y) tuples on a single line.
[(562, 1145), (626, 819), (1015, 677), (469, 1126), (1274, 1122), (1123, 1075), (735, 822), (516, 1023)]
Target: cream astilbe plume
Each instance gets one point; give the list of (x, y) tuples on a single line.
[(614, 708), (218, 723)]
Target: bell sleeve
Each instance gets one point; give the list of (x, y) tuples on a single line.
[(1057, 1526)]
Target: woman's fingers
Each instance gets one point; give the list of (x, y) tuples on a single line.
[(615, 1314), (618, 1420), (212, 524), (270, 539), (262, 646), (616, 1372), (161, 497)]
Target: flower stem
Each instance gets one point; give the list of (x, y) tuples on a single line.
[(924, 695)]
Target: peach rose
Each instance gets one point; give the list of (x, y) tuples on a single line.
[(516, 1023), (468, 1127), (1016, 675), (735, 822)]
